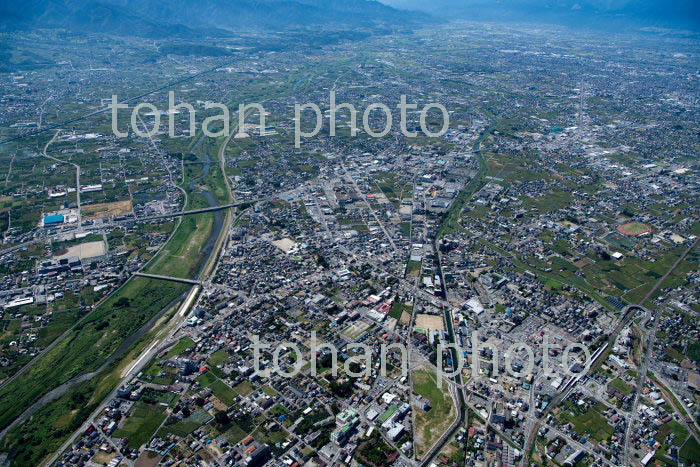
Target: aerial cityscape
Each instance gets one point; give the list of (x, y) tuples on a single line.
[(348, 233)]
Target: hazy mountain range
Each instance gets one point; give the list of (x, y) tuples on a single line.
[(187, 18), (606, 14), (197, 18)]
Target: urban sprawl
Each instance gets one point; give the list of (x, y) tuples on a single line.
[(559, 210)]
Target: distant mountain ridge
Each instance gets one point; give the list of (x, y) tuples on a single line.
[(183, 18), (604, 14)]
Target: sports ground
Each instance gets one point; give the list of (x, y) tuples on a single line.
[(634, 228)]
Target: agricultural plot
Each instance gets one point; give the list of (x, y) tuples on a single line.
[(244, 388), (621, 386), (187, 425), (223, 392), (142, 422), (398, 308), (393, 188), (588, 421)]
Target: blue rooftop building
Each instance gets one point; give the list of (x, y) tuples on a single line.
[(53, 220)]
